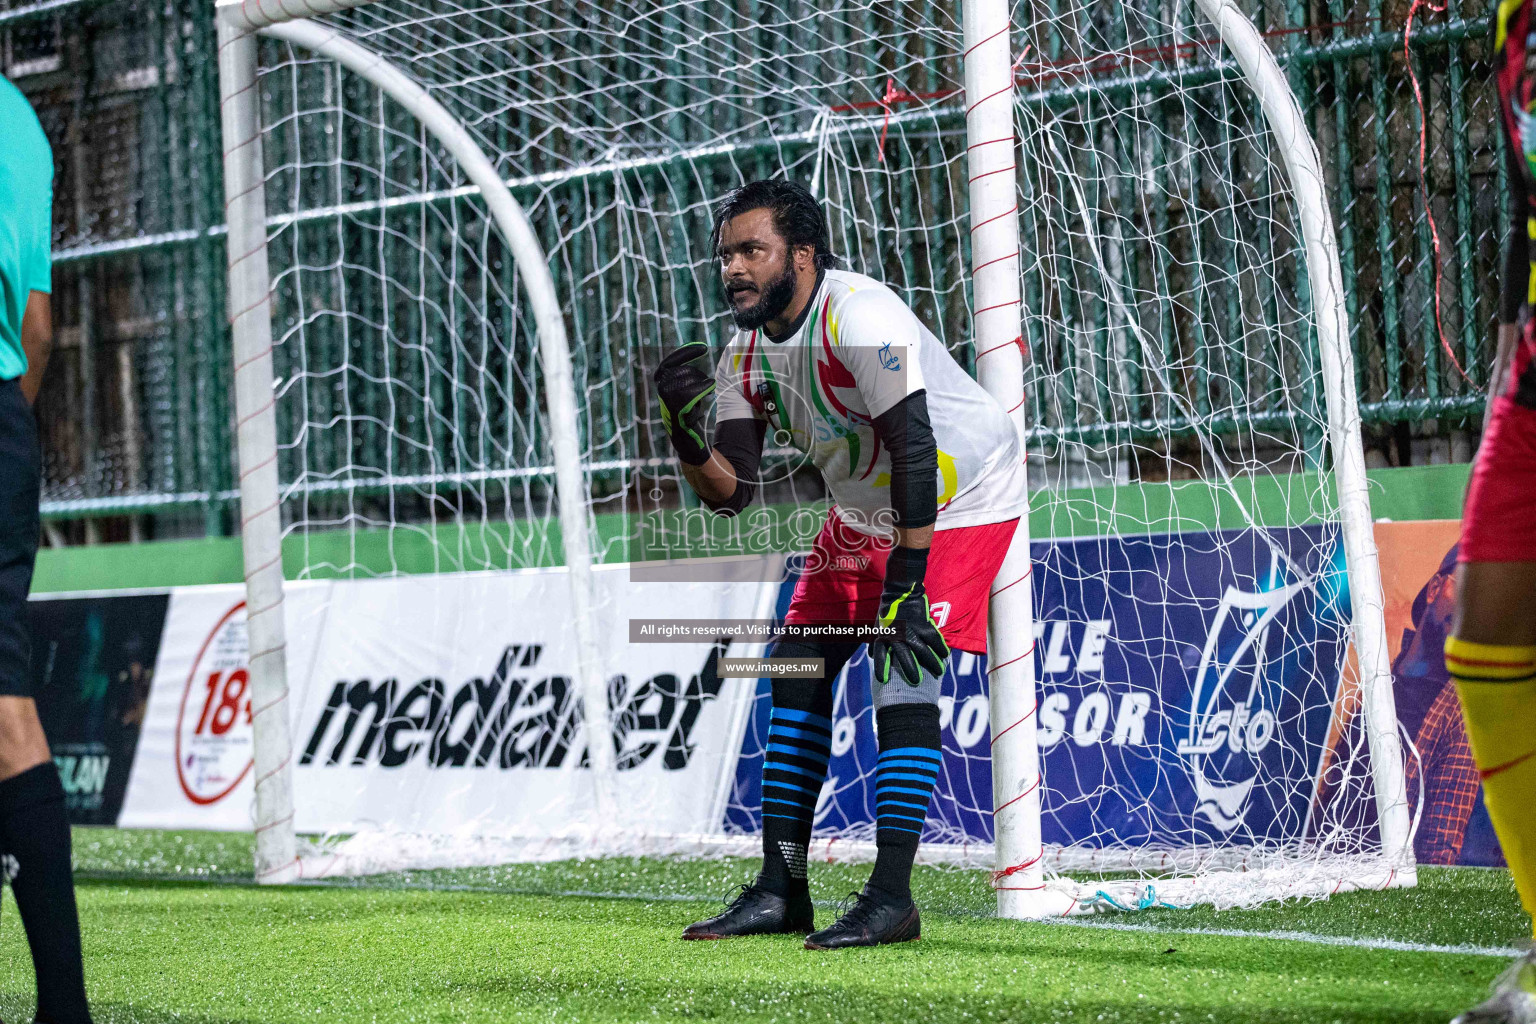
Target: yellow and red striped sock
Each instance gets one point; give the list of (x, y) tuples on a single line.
[(1497, 687)]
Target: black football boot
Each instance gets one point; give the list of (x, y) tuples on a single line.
[(874, 919), (756, 911)]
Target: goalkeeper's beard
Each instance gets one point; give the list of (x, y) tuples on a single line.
[(774, 300)]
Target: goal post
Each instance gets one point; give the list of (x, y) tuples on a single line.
[(251, 330), (261, 527), (1019, 872), (998, 336), (1299, 151), (492, 222)]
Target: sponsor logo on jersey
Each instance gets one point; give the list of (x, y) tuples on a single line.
[(888, 359), (517, 717), (1526, 122)]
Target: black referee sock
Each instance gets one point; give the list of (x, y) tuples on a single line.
[(794, 768), (910, 758), (34, 839)]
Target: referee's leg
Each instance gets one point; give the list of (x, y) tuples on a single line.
[(34, 832)]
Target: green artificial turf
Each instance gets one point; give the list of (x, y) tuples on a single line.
[(503, 944)]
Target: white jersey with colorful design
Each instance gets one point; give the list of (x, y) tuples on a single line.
[(858, 351)]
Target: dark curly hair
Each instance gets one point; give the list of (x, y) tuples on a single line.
[(797, 216)]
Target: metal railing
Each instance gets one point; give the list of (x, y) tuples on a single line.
[(136, 411)]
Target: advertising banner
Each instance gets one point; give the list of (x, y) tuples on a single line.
[(1132, 636), (1418, 563), (446, 704), (1187, 692), (93, 662), (194, 760), (1187, 684)]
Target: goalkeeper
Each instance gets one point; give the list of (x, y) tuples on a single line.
[(925, 473), (1491, 653)]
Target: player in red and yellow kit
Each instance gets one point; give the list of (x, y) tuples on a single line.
[(1491, 653)]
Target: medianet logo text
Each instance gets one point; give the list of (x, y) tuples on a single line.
[(513, 719)]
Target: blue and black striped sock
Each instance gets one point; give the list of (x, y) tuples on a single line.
[(904, 777), (794, 769)]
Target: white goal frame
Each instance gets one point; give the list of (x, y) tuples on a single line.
[(250, 314), (1021, 859), (1019, 877)]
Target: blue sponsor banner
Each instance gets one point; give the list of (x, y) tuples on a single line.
[(1187, 684)]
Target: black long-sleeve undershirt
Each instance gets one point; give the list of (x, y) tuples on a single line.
[(905, 431), (740, 441)]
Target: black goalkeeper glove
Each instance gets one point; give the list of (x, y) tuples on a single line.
[(684, 381), (904, 606)]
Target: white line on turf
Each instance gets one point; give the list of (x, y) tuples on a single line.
[(1312, 937), (1395, 945)]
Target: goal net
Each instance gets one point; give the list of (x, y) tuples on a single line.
[(1204, 728)]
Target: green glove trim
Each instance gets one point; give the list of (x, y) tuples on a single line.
[(683, 381)]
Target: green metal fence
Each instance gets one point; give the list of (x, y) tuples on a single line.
[(135, 411), (134, 408)]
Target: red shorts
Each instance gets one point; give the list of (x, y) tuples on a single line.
[(846, 572), (1499, 522)]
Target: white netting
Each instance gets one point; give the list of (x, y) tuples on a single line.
[(1198, 710)]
